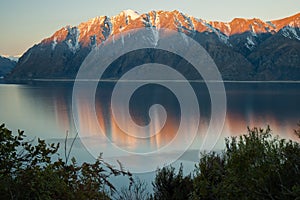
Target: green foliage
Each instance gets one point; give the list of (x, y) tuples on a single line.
[(253, 166), (171, 185), (27, 171), (208, 176)]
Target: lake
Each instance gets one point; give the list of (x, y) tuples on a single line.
[(49, 110)]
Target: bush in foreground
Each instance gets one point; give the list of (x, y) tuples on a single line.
[(253, 166), (171, 185), (28, 172)]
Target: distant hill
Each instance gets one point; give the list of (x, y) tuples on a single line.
[(243, 49), (6, 66)]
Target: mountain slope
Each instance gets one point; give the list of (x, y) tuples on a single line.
[(243, 49), (6, 65)]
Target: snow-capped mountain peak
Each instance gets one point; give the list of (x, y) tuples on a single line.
[(131, 13), (98, 29), (243, 49)]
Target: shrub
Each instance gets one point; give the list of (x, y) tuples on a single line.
[(171, 185), (253, 166), (27, 171), (256, 165)]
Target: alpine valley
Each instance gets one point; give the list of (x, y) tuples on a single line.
[(243, 49)]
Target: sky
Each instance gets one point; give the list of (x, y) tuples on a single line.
[(26, 22)]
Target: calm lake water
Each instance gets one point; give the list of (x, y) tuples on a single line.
[(45, 110)]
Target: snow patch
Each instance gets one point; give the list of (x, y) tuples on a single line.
[(91, 23), (73, 39), (290, 32), (253, 32), (250, 44), (271, 24), (93, 41), (108, 27), (147, 21), (181, 28), (250, 41), (12, 58), (155, 36), (157, 21), (132, 14), (228, 30), (223, 38), (122, 38), (198, 20), (189, 22), (54, 43)]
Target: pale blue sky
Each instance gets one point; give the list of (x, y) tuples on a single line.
[(26, 22)]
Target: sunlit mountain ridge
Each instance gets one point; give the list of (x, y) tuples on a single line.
[(243, 49)]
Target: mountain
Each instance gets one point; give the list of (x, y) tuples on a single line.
[(6, 66), (14, 58), (243, 49)]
